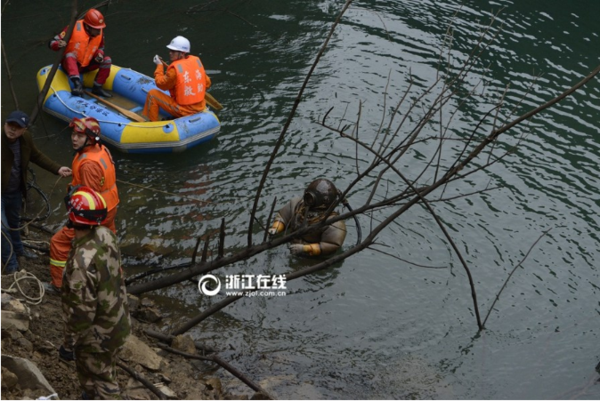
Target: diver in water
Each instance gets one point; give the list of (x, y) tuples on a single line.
[(310, 210)]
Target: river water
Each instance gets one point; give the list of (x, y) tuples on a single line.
[(373, 326)]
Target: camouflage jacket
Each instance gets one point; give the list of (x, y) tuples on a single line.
[(330, 238), (94, 297)]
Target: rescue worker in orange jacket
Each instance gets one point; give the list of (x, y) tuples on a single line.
[(185, 80), (85, 52), (309, 210), (92, 167)]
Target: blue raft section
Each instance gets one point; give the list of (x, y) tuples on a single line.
[(118, 131)]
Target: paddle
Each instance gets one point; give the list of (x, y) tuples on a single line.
[(212, 102), (127, 113)]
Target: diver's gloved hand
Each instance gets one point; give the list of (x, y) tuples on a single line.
[(277, 227), (305, 249), (157, 60), (297, 249), (64, 354)]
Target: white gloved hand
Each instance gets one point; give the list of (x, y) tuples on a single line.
[(296, 249), (157, 60), (272, 231)]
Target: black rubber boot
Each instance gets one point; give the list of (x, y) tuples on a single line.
[(77, 87), (97, 90)]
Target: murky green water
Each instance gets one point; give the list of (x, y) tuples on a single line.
[(372, 326)]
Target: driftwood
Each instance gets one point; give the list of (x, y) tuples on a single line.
[(168, 338), (138, 377)]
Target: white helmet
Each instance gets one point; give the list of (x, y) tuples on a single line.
[(180, 44)]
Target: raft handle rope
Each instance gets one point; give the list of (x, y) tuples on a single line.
[(132, 124)]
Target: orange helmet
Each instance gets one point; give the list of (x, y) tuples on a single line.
[(88, 125), (94, 18), (86, 206)]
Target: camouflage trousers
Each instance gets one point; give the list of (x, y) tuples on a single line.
[(97, 374)]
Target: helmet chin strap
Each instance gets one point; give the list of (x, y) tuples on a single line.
[(85, 144), (79, 149)]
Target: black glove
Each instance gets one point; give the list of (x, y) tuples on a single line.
[(66, 355)]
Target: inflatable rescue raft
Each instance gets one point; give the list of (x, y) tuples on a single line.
[(129, 89)]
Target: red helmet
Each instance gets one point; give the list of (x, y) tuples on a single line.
[(86, 206), (88, 125), (94, 18)]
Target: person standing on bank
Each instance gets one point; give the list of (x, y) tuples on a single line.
[(85, 52), (311, 210), (185, 80), (18, 150), (94, 298), (93, 167)]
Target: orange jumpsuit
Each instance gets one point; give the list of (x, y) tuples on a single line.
[(187, 83), (92, 167), (81, 52)]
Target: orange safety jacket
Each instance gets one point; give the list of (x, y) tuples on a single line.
[(83, 45), (191, 81), (108, 185)]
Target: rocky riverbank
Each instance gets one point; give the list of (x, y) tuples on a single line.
[(32, 334)]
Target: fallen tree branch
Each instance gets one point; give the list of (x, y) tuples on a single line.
[(138, 377), (214, 357), (168, 338)]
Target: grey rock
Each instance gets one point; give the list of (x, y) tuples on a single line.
[(9, 379), (136, 351), (134, 303), (30, 377), (184, 343), (18, 321), (149, 314)]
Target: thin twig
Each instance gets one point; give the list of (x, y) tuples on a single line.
[(512, 272)]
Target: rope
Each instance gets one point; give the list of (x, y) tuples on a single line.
[(4, 227), (132, 124), (25, 275), (33, 219)]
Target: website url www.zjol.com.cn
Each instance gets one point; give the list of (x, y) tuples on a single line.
[(247, 285), (256, 293)]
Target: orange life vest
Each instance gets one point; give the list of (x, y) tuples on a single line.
[(83, 45), (191, 81), (108, 186)]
